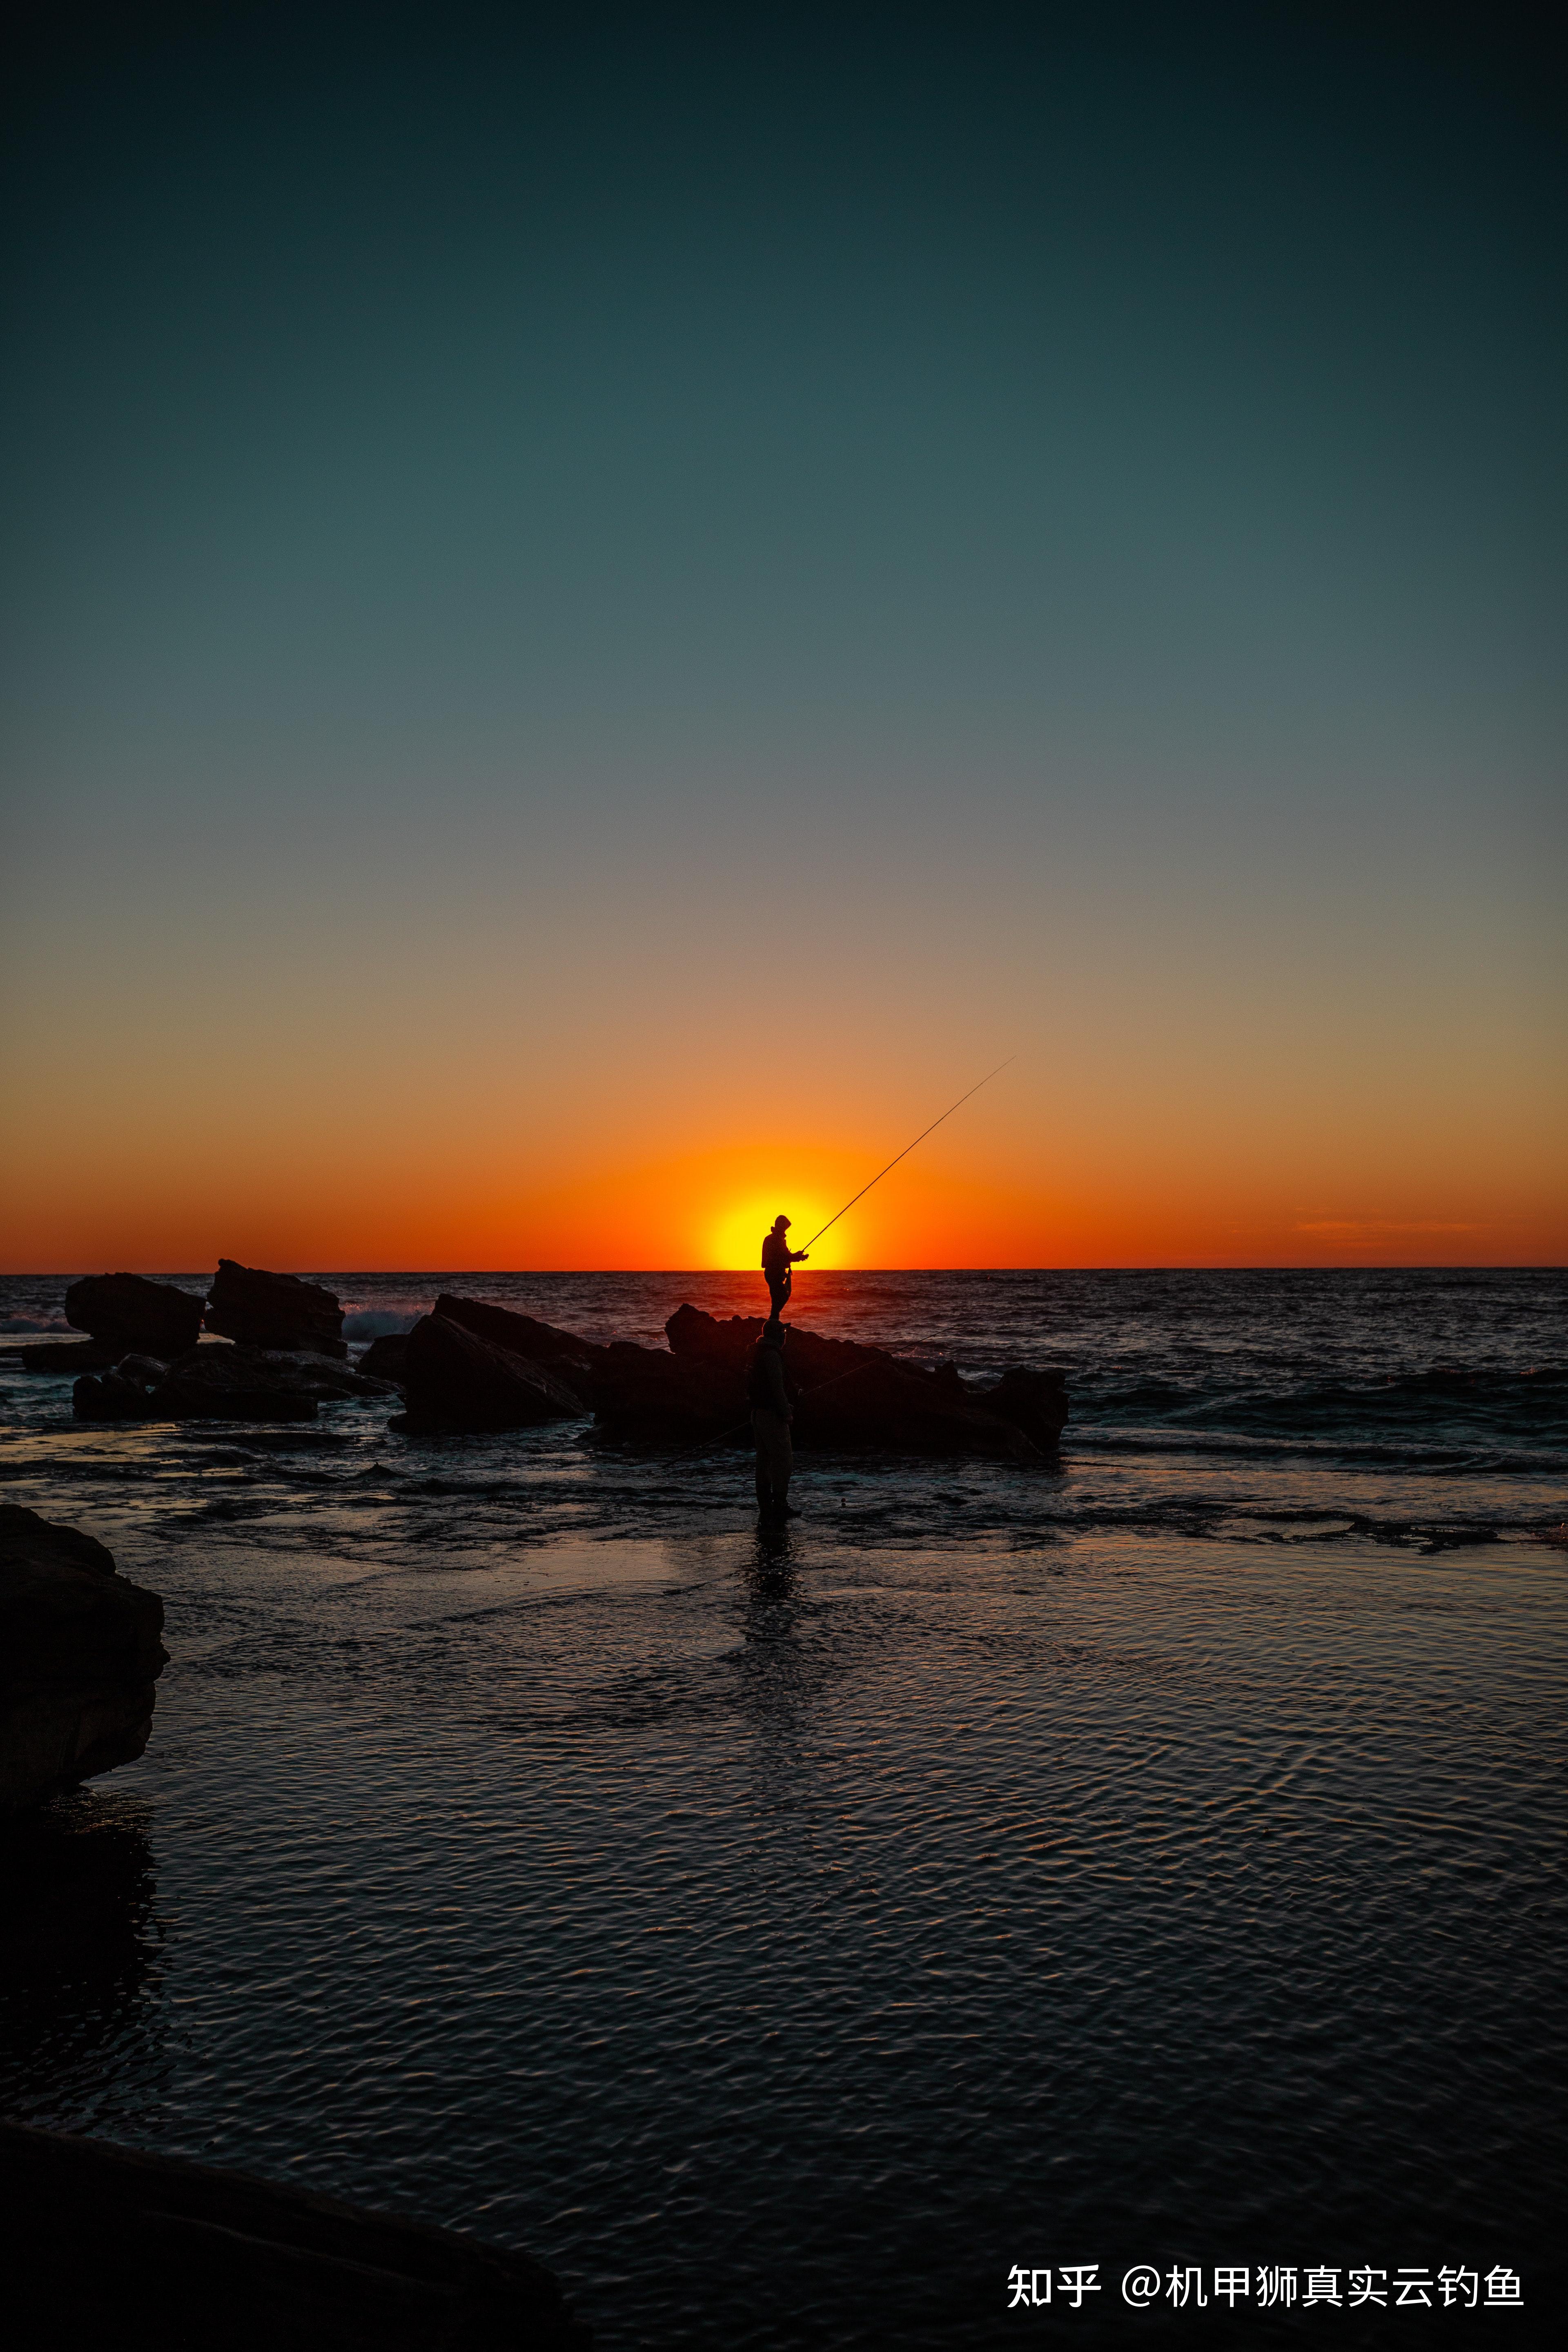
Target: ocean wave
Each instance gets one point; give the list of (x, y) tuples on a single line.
[(1194, 1519), (1459, 1407), (1476, 1461), (379, 1322), (40, 1324)]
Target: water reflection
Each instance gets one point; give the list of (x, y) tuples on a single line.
[(80, 1942), (777, 1675), (772, 1567)]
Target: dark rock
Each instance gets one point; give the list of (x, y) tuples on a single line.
[(123, 1394), (385, 1358), (519, 1371), (111, 1396), (248, 2264), (569, 1358), (456, 1380), (66, 1356), (809, 1359), (127, 1310), (850, 1397), (232, 1383), (309, 1374), (894, 1408), (80, 1654), (274, 1310), (229, 1384), (656, 1398), (1036, 1402)]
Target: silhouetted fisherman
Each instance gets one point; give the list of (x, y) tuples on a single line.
[(773, 1411), (777, 1260)]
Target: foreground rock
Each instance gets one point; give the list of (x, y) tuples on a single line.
[(274, 1310), (225, 2259), (565, 1356), (127, 1310), (80, 1654), (456, 1380), (849, 1397)]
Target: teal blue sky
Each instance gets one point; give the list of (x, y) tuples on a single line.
[(907, 528)]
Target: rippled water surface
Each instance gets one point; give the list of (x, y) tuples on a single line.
[(1153, 1855)]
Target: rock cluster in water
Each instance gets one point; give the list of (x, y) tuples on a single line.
[(143, 1363), (470, 1365), (848, 1397), (80, 1651)]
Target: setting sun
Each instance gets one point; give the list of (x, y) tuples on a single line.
[(738, 1205), (737, 1239)]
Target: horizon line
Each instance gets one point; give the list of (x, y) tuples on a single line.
[(685, 1273)]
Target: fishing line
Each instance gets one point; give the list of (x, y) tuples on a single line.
[(904, 1154)]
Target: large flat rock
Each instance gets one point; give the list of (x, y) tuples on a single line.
[(456, 1380), (129, 1310), (274, 1310), (565, 1355)]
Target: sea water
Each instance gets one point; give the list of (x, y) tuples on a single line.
[(1148, 1859)]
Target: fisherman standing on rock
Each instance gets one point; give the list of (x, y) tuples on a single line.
[(777, 1260), (772, 1414)]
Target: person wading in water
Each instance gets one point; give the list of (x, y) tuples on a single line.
[(772, 1414), (777, 1260)]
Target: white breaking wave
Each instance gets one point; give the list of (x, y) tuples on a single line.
[(378, 1322)]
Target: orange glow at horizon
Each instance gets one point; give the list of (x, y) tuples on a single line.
[(709, 1212), (1077, 1158)]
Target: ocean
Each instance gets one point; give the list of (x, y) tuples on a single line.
[(1013, 1882)]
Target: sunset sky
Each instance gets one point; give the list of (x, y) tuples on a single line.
[(598, 624)]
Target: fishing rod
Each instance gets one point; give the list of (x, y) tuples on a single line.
[(904, 1154)]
